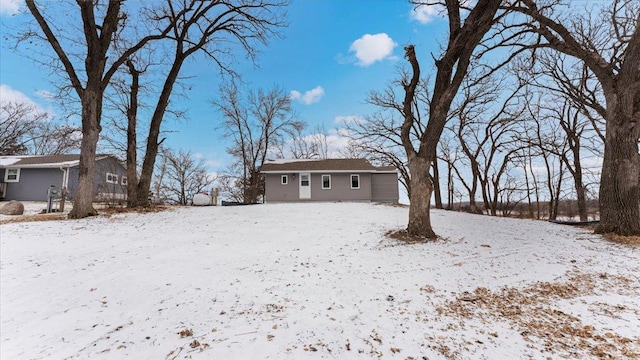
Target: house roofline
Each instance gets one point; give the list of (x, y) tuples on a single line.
[(330, 171), (68, 164)]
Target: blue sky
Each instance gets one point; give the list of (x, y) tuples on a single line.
[(331, 55)]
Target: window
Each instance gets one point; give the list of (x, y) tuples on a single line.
[(12, 175), (355, 181), (284, 179), (112, 178), (123, 180), (304, 179), (326, 181)]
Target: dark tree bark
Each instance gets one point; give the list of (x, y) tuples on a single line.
[(132, 144), (619, 198), (204, 27), (98, 39), (451, 70)]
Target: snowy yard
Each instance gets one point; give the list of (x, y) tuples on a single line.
[(311, 281)]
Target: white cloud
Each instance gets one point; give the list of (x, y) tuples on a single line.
[(10, 7), (426, 13), (371, 48), (309, 97), (7, 94)]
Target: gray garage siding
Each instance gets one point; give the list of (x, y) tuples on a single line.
[(340, 188), (276, 192), (384, 187)]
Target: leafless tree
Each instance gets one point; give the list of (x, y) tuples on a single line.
[(377, 137), (26, 130), (189, 24), (184, 177), (485, 120), (608, 43), (452, 67), (17, 121), (89, 63), (54, 137), (257, 125), (573, 101), (302, 145), (212, 29)]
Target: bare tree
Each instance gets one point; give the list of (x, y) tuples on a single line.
[(452, 67), (485, 121), (189, 24), (184, 177), (612, 53), (301, 145), (212, 29), (53, 137), (17, 121), (26, 130), (257, 126), (377, 137), (88, 72)]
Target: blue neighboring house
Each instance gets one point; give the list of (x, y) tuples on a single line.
[(28, 177)]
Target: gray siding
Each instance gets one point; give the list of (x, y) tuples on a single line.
[(102, 189), (340, 188), (384, 187), (33, 184), (276, 192)]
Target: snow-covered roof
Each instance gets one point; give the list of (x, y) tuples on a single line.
[(43, 161)]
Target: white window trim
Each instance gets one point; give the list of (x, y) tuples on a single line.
[(111, 178), (308, 176), (124, 181), (351, 181), (6, 175), (284, 179), (322, 178)]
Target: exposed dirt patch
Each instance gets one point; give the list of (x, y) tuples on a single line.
[(105, 211), (404, 237), (37, 217), (627, 240), (123, 210), (535, 313)]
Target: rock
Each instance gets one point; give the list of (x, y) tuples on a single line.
[(13, 207), (201, 199)]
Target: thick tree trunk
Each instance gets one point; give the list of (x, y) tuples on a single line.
[(620, 180), (148, 165), (132, 145), (132, 174), (83, 198), (419, 203)]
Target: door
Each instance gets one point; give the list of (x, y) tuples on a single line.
[(305, 186)]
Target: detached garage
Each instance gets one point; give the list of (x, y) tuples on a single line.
[(329, 180)]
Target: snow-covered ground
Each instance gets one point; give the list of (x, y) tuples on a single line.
[(296, 281)]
